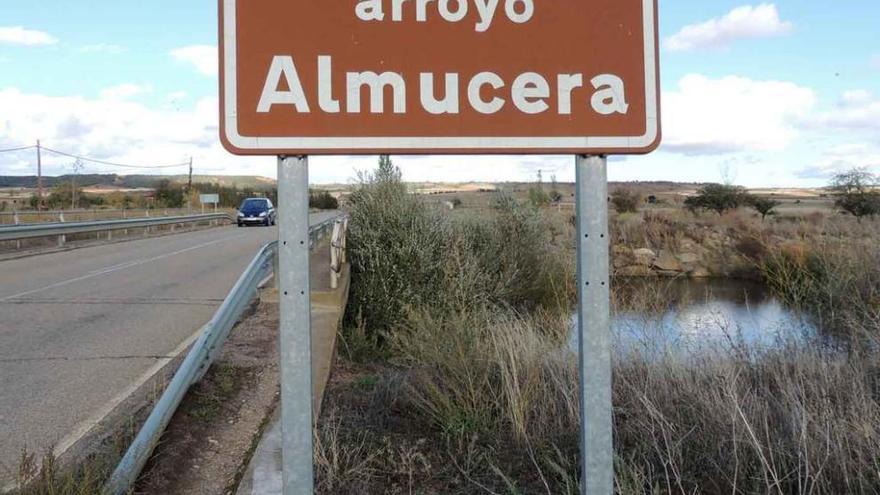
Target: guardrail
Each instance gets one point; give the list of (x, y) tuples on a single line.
[(199, 359), (94, 214), (31, 231)]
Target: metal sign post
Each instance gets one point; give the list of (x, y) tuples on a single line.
[(296, 326), (594, 335)]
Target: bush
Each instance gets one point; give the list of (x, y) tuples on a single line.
[(718, 198), (626, 200), (406, 255), (764, 206), (322, 200)]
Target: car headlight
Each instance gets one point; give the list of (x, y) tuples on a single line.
[(240, 214), (264, 214)]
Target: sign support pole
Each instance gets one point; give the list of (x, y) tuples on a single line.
[(594, 334), (295, 318)]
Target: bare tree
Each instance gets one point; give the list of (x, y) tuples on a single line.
[(856, 193)]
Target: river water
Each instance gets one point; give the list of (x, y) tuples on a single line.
[(698, 315)]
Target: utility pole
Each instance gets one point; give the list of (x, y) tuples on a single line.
[(77, 166), (39, 178), (189, 186)]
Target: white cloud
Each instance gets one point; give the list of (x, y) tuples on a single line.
[(857, 110), (17, 35), (109, 49), (875, 61), (841, 158), (731, 114), (203, 57), (115, 129), (746, 22), (123, 92)]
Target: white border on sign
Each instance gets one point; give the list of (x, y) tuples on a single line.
[(249, 143)]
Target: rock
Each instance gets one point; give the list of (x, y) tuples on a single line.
[(688, 258), (667, 262), (635, 271), (700, 272), (644, 256)]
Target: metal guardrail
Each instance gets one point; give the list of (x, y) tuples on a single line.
[(20, 217), (199, 359), (30, 231)]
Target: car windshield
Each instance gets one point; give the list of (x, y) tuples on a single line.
[(253, 204)]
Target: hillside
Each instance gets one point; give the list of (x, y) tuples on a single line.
[(137, 181)]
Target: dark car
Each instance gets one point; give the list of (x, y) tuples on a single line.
[(256, 211)]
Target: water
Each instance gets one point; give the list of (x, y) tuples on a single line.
[(697, 315)]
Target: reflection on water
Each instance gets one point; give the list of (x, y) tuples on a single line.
[(706, 314)]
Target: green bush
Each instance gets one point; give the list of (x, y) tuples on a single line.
[(718, 198), (322, 200), (626, 200), (406, 255)]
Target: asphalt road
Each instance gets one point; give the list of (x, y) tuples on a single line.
[(78, 328)]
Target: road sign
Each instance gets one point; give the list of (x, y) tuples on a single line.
[(302, 77), (209, 199)]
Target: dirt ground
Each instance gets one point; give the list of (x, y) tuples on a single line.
[(219, 421)]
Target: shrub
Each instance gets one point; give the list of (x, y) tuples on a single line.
[(764, 206), (626, 200), (322, 200), (717, 197), (406, 255)]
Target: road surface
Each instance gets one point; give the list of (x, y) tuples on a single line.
[(77, 328)]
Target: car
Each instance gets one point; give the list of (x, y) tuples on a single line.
[(256, 211)]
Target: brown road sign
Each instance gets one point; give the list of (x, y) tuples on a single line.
[(439, 76)]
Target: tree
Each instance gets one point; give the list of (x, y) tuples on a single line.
[(718, 198), (537, 196), (764, 206), (168, 194), (626, 200), (856, 193)]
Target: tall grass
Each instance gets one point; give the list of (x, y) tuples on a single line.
[(795, 419)]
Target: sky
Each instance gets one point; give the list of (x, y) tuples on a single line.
[(779, 94)]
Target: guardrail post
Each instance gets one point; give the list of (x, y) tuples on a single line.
[(335, 244), (62, 239), (15, 221), (295, 315)]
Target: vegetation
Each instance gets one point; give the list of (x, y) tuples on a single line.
[(857, 193), (718, 198), (322, 200), (538, 197), (764, 206), (626, 200), (465, 386)]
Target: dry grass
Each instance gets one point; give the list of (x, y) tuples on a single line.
[(478, 383)]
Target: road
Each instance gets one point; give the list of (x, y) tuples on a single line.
[(77, 328)]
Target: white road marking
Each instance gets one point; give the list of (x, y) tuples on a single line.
[(116, 268)]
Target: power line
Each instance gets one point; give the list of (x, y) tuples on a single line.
[(9, 150), (113, 164)]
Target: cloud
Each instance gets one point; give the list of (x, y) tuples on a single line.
[(733, 114), (202, 57), (857, 110), (109, 49), (111, 127), (123, 92), (17, 35), (746, 22), (841, 158), (875, 61)]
